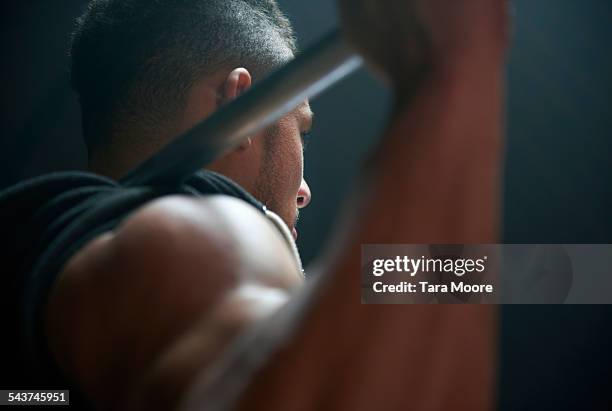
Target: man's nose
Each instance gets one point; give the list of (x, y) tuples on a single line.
[(303, 197)]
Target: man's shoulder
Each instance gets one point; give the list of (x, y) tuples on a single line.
[(184, 233)]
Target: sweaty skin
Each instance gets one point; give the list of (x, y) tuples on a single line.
[(164, 320)]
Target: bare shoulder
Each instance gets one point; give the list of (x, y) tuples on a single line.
[(222, 228), (128, 295)]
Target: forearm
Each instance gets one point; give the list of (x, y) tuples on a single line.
[(436, 176), (435, 179)]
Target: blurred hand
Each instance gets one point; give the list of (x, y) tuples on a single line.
[(402, 38)]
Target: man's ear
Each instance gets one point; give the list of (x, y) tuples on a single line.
[(236, 83)]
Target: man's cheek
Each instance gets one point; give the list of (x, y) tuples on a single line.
[(296, 164)]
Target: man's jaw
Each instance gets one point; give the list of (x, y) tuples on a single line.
[(293, 227)]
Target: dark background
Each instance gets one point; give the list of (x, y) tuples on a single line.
[(558, 184)]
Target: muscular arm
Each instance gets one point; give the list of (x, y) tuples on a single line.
[(136, 307)]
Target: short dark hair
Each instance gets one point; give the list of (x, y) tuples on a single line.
[(135, 61)]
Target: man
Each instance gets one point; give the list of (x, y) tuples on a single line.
[(160, 290)]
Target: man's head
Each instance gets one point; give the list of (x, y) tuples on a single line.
[(148, 70)]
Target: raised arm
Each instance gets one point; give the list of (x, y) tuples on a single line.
[(434, 179)]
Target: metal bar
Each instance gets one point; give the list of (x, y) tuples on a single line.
[(306, 76)]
